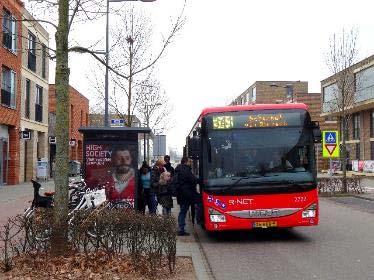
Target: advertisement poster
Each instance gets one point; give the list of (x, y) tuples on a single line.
[(369, 166), (360, 165), (355, 165), (112, 166)]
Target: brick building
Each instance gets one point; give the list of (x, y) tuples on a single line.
[(78, 116), (10, 99), (313, 100), (360, 133), (270, 92), (34, 106)]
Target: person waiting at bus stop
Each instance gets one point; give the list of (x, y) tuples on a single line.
[(156, 172), (186, 192), (145, 193), (168, 166)]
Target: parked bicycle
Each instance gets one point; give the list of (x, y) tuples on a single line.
[(80, 198)]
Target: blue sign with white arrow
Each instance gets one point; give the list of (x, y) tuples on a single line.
[(330, 137)]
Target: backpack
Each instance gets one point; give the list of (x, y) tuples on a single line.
[(174, 185)]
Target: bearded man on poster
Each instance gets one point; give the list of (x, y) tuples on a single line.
[(120, 185)]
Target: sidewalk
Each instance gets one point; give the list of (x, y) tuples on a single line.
[(14, 199), (189, 246)]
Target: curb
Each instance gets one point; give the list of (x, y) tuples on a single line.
[(363, 197), (204, 256), (347, 195)]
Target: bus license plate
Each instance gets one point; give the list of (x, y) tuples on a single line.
[(267, 224)]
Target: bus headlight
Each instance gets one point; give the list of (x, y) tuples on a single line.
[(310, 212), (216, 217)]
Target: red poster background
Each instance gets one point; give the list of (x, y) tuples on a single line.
[(99, 170)]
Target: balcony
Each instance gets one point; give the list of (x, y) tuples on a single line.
[(5, 97), (38, 113), (31, 64)]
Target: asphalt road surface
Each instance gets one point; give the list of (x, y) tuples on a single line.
[(341, 247)]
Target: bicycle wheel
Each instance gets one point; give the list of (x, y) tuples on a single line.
[(120, 205), (38, 228)]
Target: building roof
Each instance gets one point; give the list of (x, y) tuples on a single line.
[(52, 87), (361, 63)]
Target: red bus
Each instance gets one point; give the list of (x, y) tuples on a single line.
[(256, 166)]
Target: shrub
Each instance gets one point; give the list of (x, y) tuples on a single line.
[(146, 239)]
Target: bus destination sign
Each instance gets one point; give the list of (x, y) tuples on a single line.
[(257, 120)]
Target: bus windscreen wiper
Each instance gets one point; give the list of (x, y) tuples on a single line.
[(234, 184)]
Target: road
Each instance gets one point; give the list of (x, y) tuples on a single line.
[(341, 247), (15, 199)]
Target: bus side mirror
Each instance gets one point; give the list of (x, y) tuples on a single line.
[(317, 135), (194, 147)]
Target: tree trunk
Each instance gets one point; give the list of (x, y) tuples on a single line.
[(343, 153), (60, 223)]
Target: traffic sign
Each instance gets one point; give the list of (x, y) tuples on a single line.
[(52, 139), (330, 144), (25, 134), (117, 122)]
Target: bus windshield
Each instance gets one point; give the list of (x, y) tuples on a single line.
[(258, 156)]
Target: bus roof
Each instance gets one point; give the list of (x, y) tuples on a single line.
[(239, 108)]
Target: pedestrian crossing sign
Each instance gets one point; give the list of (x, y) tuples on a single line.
[(330, 144)]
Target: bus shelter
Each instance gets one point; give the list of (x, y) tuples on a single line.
[(111, 160)]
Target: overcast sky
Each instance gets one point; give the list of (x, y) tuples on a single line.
[(227, 45)]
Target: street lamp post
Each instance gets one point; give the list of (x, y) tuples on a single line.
[(147, 125), (106, 98)]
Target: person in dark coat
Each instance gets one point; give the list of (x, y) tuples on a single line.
[(186, 192), (157, 169), (165, 198), (145, 193), (168, 166)]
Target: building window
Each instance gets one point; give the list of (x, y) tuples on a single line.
[(39, 104), (346, 134), (9, 31), (372, 123), (254, 94), (81, 117), (358, 151), (44, 61), (372, 150), (356, 126), (86, 119), (330, 93), (32, 52), (8, 88), (364, 84), (27, 99)]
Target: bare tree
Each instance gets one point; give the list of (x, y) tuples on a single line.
[(132, 55), (153, 106), (62, 15), (340, 94)]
